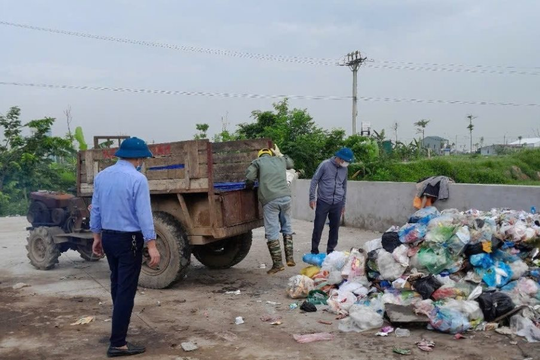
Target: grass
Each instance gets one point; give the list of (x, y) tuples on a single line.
[(520, 168)]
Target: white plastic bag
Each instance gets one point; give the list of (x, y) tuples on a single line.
[(361, 318), (335, 261), (355, 266), (371, 245), (299, 286), (518, 269), (524, 327), (400, 255), (388, 267)]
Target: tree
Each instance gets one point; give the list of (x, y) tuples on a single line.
[(421, 128), (395, 127), (520, 138), (482, 142), (471, 128), (202, 129), (28, 163)]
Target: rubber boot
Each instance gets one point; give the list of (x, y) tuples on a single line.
[(289, 253), (275, 253)]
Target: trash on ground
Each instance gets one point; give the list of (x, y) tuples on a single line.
[(239, 320), (308, 338), (425, 345), (276, 323), (402, 351), (308, 307), (188, 346), (299, 286), (504, 330), (84, 320), (293, 306), (236, 292), (324, 322), (385, 331), (273, 303), (459, 336), (20, 286)]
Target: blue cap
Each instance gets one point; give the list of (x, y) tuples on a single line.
[(133, 148), (345, 154)]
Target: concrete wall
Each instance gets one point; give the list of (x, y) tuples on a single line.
[(378, 205)]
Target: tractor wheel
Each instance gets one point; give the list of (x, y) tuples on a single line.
[(175, 254), (42, 251), (225, 253), (86, 252)]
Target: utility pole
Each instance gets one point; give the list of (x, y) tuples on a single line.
[(470, 127), (353, 60)]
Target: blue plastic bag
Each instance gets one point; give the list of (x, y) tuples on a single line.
[(424, 216), (314, 259), (448, 320), (498, 275), (482, 261), (411, 233)]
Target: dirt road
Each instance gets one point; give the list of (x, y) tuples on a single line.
[(35, 320)]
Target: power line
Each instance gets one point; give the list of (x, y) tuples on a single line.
[(394, 65), (267, 96)]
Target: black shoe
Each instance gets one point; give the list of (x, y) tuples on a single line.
[(131, 350)]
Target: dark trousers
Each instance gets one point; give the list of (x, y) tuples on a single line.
[(322, 212), (124, 254)]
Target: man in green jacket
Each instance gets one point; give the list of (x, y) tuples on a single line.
[(275, 197)]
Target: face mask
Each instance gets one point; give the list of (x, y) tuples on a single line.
[(344, 164)]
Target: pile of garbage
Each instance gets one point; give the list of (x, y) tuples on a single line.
[(463, 271)]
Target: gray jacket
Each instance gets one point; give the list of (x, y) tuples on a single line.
[(330, 180)]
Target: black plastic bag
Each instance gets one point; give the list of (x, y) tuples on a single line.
[(390, 241), (426, 286), (473, 249), (308, 307), (495, 304)]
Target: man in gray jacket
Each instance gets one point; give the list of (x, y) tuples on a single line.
[(330, 180)]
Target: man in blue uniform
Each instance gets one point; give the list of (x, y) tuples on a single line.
[(122, 223)]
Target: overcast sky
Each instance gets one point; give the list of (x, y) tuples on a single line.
[(480, 32)]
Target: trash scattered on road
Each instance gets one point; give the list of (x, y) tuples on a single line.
[(504, 330), (20, 286), (324, 322), (385, 331), (425, 345), (236, 292), (239, 320), (402, 351), (84, 320), (158, 303), (107, 320), (262, 266), (188, 346), (273, 303), (308, 338), (293, 306), (459, 336), (308, 307), (402, 332), (276, 323)]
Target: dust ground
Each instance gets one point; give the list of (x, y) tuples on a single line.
[(35, 321)]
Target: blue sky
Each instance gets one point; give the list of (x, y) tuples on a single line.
[(488, 32)]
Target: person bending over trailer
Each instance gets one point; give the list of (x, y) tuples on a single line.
[(275, 197)]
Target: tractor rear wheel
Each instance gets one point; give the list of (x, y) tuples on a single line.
[(42, 250), (225, 253)]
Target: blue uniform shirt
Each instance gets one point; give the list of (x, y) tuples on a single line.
[(121, 201)]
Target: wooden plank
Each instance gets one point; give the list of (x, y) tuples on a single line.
[(229, 168), (244, 158), (89, 164), (161, 186), (240, 145), (230, 177)]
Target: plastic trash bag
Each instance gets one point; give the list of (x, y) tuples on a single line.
[(308, 338), (400, 254), (411, 233), (424, 307), (469, 308), (340, 301), (299, 286), (448, 320), (390, 241), (496, 276), (495, 304), (335, 261), (519, 268), (354, 287), (525, 327), (423, 216), (388, 267), (361, 318), (314, 259), (447, 293), (372, 245), (355, 266), (317, 297), (457, 243), (426, 286), (483, 261), (310, 271), (440, 234), (434, 260), (405, 298), (443, 220)]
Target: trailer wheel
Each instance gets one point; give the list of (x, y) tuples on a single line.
[(87, 253), (225, 253), (175, 254), (42, 251)]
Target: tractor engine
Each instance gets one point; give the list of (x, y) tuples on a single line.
[(58, 209)]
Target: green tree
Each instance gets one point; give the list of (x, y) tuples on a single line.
[(30, 163), (202, 129), (421, 128)]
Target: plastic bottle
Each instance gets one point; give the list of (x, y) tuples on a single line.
[(533, 210)]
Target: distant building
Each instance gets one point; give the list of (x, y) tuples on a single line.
[(498, 149), (435, 144), (527, 142)]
